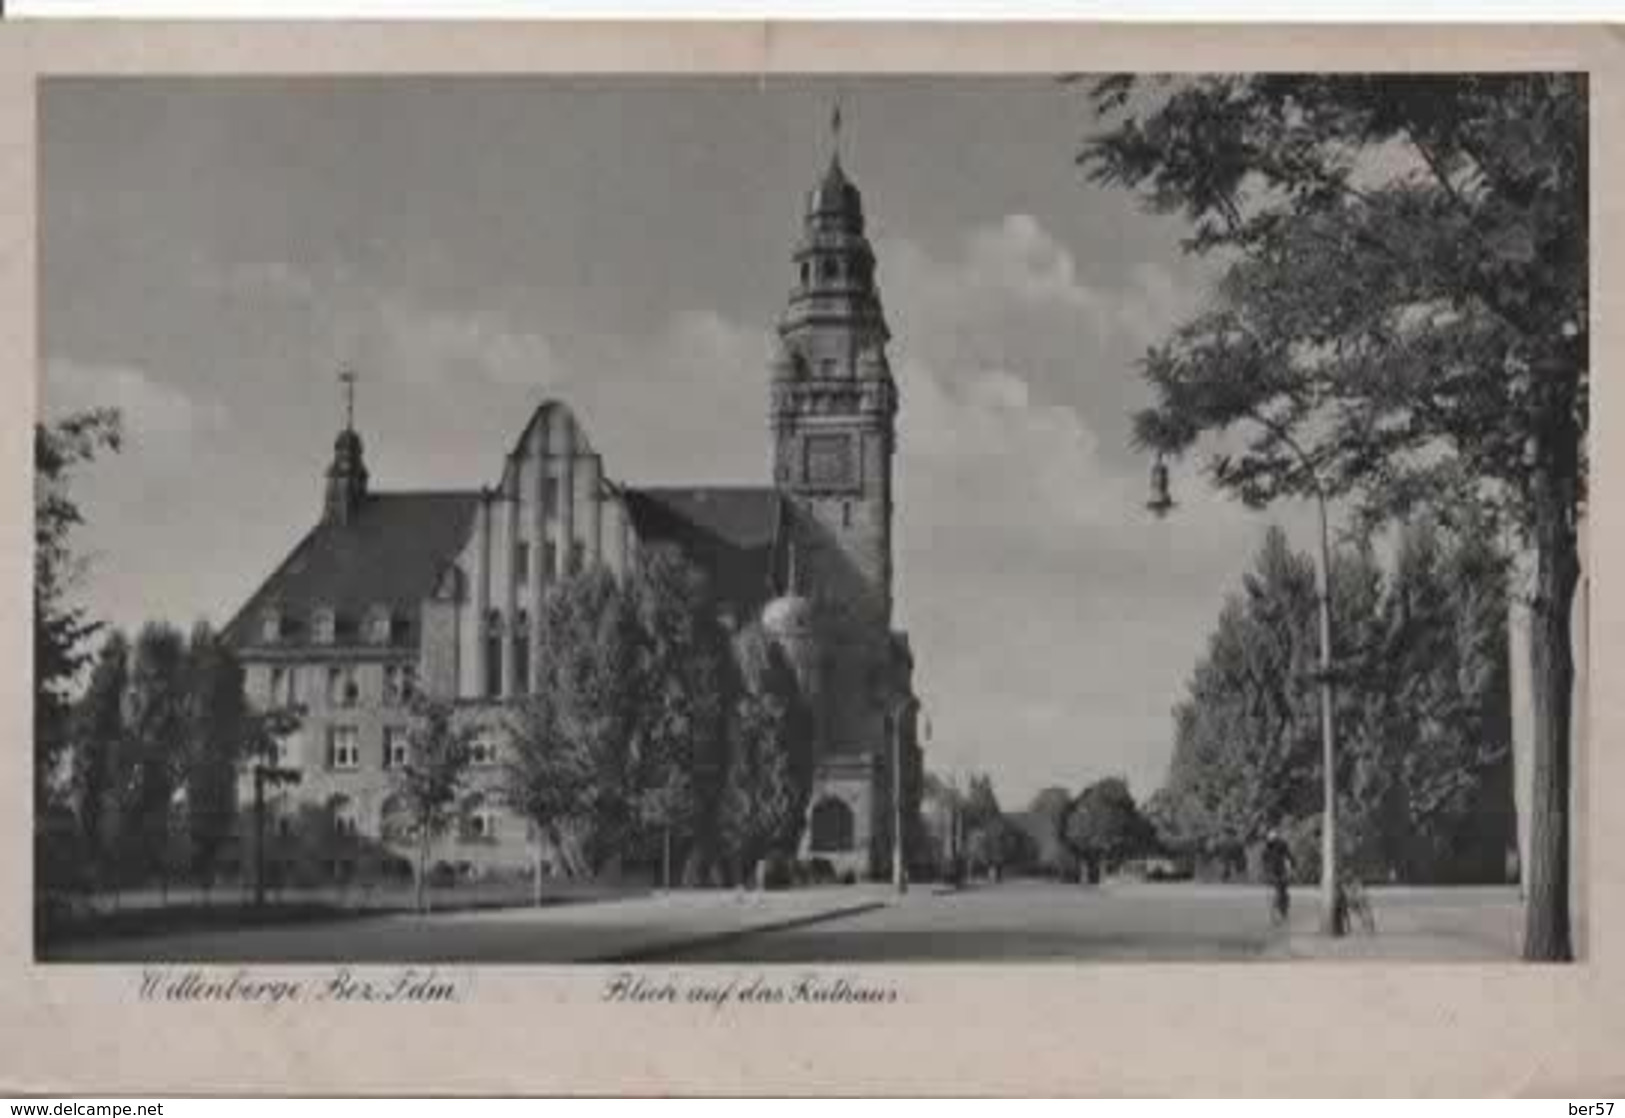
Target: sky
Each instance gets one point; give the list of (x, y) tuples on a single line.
[(213, 250)]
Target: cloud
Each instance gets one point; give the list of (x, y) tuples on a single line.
[(157, 417), (424, 346), (393, 333), (1010, 290)]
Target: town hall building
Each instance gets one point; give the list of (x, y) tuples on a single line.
[(393, 593)]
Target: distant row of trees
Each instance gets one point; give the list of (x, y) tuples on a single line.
[(1423, 717), (157, 740), (655, 736), (1423, 721), (1078, 836)]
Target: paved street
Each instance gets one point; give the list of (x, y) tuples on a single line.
[(1032, 921), (1016, 921)]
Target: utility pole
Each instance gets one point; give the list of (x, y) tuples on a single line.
[(1333, 918), (899, 871)]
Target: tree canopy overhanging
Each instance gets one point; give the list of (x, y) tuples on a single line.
[(1400, 320)]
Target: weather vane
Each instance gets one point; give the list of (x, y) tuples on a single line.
[(347, 378)]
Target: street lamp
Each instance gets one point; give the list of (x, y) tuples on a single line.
[(899, 870), (1332, 916)]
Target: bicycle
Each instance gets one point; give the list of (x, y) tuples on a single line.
[(1280, 903), (1357, 906)]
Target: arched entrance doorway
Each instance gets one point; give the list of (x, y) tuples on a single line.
[(832, 825)]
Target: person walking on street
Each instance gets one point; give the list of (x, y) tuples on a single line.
[(1278, 868)]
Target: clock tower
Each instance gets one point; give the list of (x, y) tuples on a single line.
[(834, 408), (833, 417)]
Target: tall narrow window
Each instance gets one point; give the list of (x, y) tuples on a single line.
[(521, 561), (493, 666), (396, 752), (521, 660), (550, 558)]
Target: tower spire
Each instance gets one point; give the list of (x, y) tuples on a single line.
[(835, 130)]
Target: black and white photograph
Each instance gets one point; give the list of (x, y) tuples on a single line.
[(811, 519)]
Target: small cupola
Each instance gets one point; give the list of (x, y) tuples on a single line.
[(347, 475)]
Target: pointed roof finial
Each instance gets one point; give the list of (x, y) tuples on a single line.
[(347, 378), (835, 130)]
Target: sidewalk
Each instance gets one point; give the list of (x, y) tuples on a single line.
[(1462, 924), (607, 931)]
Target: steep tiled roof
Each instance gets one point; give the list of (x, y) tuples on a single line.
[(729, 531), (389, 555)]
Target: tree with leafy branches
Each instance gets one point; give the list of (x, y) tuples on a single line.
[(768, 779), (549, 781), (684, 669), (1103, 826), (62, 630), (1401, 319), (99, 760), (220, 732), (158, 710), (574, 771), (439, 752)]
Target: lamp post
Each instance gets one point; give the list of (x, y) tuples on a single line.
[(899, 871), (1332, 916)]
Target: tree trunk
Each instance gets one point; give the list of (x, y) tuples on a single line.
[(1547, 935), (423, 873), (536, 873), (1546, 906)]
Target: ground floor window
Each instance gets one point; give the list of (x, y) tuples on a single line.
[(832, 825)]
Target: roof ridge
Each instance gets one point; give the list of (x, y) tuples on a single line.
[(757, 487), (474, 492)]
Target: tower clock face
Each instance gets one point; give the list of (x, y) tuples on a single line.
[(828, 462)]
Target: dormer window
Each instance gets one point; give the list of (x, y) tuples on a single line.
[(271, 626), (380, 625), (323, 624)]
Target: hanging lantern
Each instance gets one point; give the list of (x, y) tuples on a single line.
[(1160, 503)]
